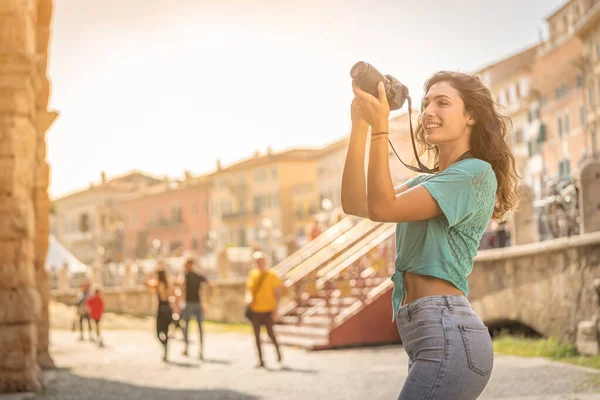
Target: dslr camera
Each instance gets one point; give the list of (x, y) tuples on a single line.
[(366, 77)]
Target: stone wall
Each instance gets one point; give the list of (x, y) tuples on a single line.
[(225, 305), (546, 286), (24, 205)]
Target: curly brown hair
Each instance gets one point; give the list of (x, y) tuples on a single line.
[(488, 137)]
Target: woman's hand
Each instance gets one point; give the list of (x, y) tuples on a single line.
[(375, 111)]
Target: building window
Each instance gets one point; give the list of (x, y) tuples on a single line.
[(531, 147), (591, 97), (225, 207), (579, 81), (84, 223), (559, 126), (176, 214), (542, 133), (581, 115), (242, 237), (567, 123), (564, 168), (518, 135)]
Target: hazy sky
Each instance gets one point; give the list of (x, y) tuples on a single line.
[(169, 85)]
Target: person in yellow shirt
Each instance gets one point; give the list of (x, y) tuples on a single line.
[(264, 287)]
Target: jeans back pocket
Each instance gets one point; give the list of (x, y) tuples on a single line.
[(478, 345)]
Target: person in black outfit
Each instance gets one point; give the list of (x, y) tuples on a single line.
[(193, 303), (164, 313), (82, 311)]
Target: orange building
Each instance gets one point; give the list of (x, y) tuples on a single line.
[(557, 137), (265, 200), (588, 30)]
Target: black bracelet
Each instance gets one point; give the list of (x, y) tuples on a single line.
[(377, 138)]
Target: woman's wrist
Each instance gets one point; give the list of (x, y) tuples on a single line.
[(380, 126), (360, 127)]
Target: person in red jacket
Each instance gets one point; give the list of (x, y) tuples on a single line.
[(95, 306)]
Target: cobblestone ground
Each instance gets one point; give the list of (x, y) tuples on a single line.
[(130, 367)]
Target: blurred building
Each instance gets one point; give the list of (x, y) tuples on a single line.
[(509, 81), (331, 161), (264, 200), (588, 30), (88, 223), (557, 133)]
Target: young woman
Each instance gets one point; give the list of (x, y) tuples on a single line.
[(164, 314), (440, 221)]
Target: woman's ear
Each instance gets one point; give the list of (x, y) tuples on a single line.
[(470, 119)]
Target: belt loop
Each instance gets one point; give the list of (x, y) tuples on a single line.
[(449, 302)]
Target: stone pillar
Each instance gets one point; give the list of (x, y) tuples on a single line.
[(524, 227), (41, 201), (19, 296), (589, 197)]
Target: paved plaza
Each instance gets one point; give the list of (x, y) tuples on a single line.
[(130, 367)]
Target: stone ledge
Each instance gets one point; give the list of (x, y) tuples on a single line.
[(532, 249)]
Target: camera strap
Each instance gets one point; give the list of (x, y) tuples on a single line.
[(421, 167)]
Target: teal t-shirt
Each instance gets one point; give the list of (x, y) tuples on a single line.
[(444, 246)]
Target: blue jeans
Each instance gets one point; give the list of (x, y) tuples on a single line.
[(192, 309), (449, 348)]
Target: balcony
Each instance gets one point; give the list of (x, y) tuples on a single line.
[(228, 216), (165, 223)]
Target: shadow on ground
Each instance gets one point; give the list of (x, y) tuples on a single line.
[(64, 385)]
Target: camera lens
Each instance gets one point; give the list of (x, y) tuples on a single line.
[(359, 69)]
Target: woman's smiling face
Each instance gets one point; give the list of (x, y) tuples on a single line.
[(444, 118)]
